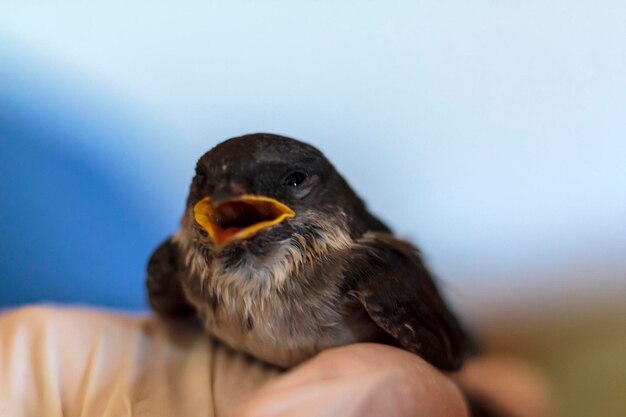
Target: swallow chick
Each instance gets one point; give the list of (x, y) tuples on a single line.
[(279, 258)]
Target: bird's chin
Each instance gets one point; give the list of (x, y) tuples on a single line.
[(259, 244), (267, 254)]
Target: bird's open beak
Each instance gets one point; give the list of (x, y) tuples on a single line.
[(240, 217)]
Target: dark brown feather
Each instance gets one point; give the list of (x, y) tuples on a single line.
[(165, 293), (399, 294)]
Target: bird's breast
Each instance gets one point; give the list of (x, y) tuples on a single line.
[(280, 324)]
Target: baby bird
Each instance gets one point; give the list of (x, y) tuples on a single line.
[(279, 258)]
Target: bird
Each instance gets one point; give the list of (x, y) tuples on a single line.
[(279, 258)]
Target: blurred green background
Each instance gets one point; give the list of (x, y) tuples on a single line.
[(582, 355)]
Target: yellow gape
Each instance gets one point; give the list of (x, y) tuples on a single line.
[(240, 217)]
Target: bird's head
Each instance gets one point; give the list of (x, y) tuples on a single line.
[(257, 192)]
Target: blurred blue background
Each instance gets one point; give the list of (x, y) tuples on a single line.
[(492, 135)]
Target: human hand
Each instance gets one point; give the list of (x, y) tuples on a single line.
[(368, 380)]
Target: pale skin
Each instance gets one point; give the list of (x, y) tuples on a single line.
[(369, 380), (75, 362)]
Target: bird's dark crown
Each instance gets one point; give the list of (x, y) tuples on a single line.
[(293, 173)]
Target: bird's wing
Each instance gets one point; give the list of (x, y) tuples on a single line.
[(397, 291), (165, 292)]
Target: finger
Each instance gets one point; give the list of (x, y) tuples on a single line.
[(359, 380), (508, 384)]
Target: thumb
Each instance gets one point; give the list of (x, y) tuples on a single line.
[(363, 380)]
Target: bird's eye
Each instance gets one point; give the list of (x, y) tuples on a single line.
[(294, 179)]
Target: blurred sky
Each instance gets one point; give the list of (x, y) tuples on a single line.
[(491, 134)]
